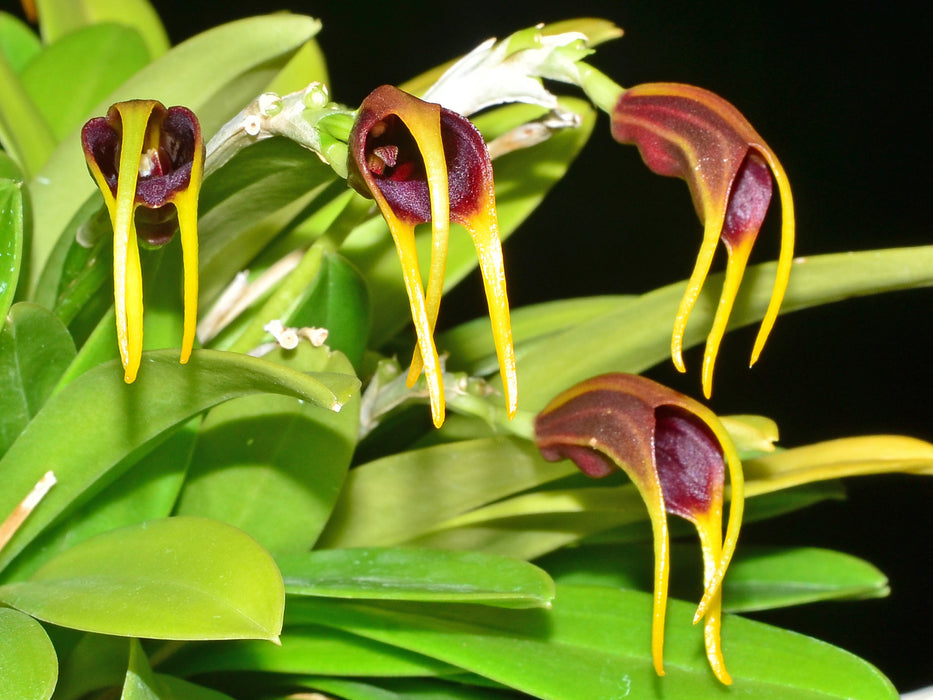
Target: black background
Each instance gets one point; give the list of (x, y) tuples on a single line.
[(842, 96)]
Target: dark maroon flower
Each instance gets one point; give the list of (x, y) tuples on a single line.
[(423, 163), (675, 451)]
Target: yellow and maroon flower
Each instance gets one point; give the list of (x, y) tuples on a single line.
[(691, 133), (424, 163), (675, 451), (148, 162)]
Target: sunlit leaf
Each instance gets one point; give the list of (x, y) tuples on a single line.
[(141, 683), (397, 498), (637, 335), (65, 104), (308, 649), (415, 574), (869, 454), (273, 465), (144, 491), (61, 17), (218, 67), (84, 447), (176, 578), (594, 643), (759, 578), (28, 665), (35, 349), (11, 240), (23, 131), (17, 41)]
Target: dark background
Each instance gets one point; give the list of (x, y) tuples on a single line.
[(838, 94)]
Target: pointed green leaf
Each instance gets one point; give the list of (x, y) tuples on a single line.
[(397, 498), (307, 649), (595, 643), (759, 578), (224, 68), (176, 578), (471, 344), (35, 349), (23, 131), (147, 490), (11, 240), (833, 459), (239, 203), (95, 661), (273, 465), (637, 335), (28, 665), (61, 17), (66, 104), (417, 574), (84, 447), (17, 41)]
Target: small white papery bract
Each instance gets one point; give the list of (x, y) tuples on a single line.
[(499, 72)]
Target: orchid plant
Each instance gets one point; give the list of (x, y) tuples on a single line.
[(296, 508)]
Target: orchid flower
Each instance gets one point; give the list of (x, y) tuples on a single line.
[(688, 132), (422, 162), (147, 162), (675, 451)]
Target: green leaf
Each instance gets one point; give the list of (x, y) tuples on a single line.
[(23, 132), (471, 345), (223, 69), (523, 178), (17, 41), (84, 447), (240, 202), (100, 56), (595, 643), (417, 574), (62, 17), (338, 301), (530, 525), (144, 491), (35, 350), (95, 661), (11, 240), (28, 665), (407, 688), (637, 335), (141, 683), (307, 649), (273, 465), (176, 578), (759, 578), (397, 498)]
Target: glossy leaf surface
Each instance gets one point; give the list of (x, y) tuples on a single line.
[(176, 578), (35, 349), (219, 66), (11, 240), (309, 649), (67, 104), (273, 465), (759, 578), (637, 335), (398, 573), (86, 447), (594, 643), (61, 17), (28, 665), (397, 498)]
